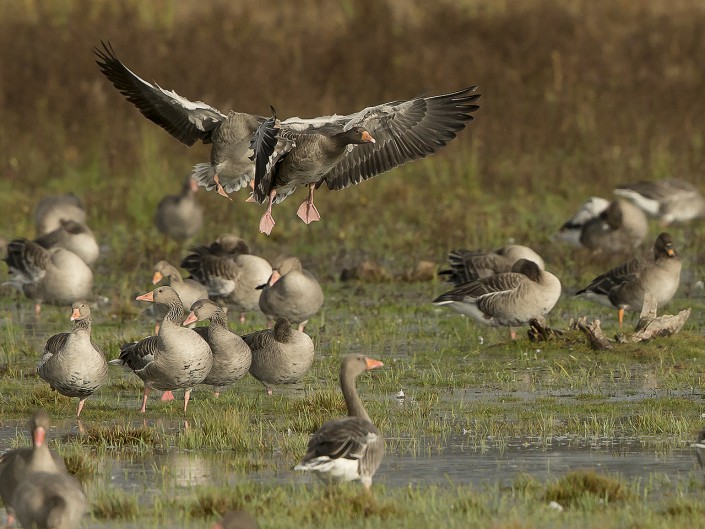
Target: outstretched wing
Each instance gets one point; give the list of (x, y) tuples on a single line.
[(185, 120)]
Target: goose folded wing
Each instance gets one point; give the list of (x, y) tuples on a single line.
[(603, 283), (185, 120), (27, 259), (346, 438), (503, 282), (136, 355), (403, 131)]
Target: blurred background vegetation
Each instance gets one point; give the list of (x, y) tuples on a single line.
[(577, 97)]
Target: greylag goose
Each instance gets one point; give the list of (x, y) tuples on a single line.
[(468, 265), (291, 292), (136, 355), (506, 299), (71, 362), (53, 209), (231, 355), (189, 291), (671, 200), (404, 130), (181, 358), (236, 520), (621, 227), (572, 229), (280, 355), (350, 448), (50, 500), (73, 236), (180, 216), (57, 276), (15, 464), (230, 273), (624, 286)]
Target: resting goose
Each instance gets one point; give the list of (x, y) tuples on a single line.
[(53, 209), (189, 291), (624, 286), (350, 448), (572, 229), (181, 358), (230, 273), (404, 130), (506, 299), (57, 276), (73, 236), (17, 463), (280, 355), (671, 200), (468, 265), (180, 216), (71, 363), (231, 355), (621, 227), (292, 293)]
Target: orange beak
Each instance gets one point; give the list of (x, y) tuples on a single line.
[(76, 314), (157, 277), (372, 363), (671, 252), (39, 436), (149, 296), (367, 137), (190, 318), (274, 277)]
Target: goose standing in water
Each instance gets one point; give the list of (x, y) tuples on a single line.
[(403, 130), (180, 216), (280, 355), (671, 200), (624, 286), (506, 299), (17, 463), (231, 355), (469, 265), (350, 448), (292, 293), (71, 362)]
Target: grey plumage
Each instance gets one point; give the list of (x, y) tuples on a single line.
[(671, 199), (469, 265)]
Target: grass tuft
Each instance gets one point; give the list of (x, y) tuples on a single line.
[(578, 488)]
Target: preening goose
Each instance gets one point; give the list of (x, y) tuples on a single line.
[(17, 463), (624, 286), (572, 229), (350, 448), (468, 265), (671, 200), (180, 216), (73, 236), (57, 276), (291, 292), (53, 209), (231, 355), (621, 227), (280, 355), (506, 299), (71, 363), (403, 130)]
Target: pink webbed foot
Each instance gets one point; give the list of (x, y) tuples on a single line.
[(167, 395), (220, 189), (307, 212), (80, 407), (266, 223)]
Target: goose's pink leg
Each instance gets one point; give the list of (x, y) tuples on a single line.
[(167, 395), (147, 389), (307, 210), (187, 396), (80, 406), (266, 223), (219, 187)]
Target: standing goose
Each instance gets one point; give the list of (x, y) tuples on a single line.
[(71, 362), (189, 291), (621, 227), (404, 130), (350, 448), (469, 265), (671, 200), (182, 358), (57, 276), (506, 299), (52, 210), (230, 273), (624, 286), (50, 500), (73, 236), (291, 292), (17, 463), (280, 355), (572, 229), (180, 216), (231, 355)]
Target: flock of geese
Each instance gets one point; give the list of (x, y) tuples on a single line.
[(272, 158)]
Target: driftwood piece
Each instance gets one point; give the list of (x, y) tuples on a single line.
[(540, 332), (596, 336)]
